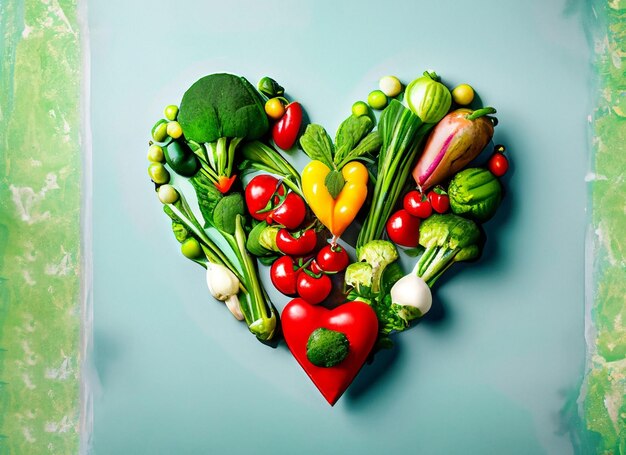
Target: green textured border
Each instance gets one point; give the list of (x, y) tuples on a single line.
[(40, 219), (602, 399)]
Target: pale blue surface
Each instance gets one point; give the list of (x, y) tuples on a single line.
[(490, 372)]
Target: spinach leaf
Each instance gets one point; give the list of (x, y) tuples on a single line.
[(226, 211), (367, 146), (350, 133), (317, 145), (334, 183), (208, 196)]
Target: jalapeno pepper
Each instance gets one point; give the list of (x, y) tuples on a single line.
[(285, 131)]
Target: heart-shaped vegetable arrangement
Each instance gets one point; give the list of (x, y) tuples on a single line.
[(218, 150)]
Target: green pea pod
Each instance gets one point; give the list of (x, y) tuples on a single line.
[(181, 159)]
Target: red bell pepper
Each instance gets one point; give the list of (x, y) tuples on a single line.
[(356, 320), (285, 131)]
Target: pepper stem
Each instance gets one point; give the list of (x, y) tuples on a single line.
[(480, 113)]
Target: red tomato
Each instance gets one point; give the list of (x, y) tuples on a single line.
[(404, 229), (315, 268), (283, 274), (291, 212), (439, 200), (332, 259), (296, 244), (260, 194), (417, 204), (285, 131), (313, 288), (498, 164)]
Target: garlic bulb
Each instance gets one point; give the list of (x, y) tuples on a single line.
[(224, 286)]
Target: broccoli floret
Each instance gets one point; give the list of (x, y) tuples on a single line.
[(359, 276), (447, 239), (378, 254), (326, 348)]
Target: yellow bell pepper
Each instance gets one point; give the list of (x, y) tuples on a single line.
[(335, 213)]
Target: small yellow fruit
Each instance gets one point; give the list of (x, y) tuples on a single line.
[(274, 108), (174, 130), (463, 94)]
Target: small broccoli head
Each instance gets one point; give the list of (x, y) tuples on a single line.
[(378, 254), (448, 230), (359, 276), (448, 239)]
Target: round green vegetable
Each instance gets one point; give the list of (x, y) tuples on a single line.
[(155, 154), (360, 108), (171, 112), (377, 99), (158, 173), (428, 98), (475, 192), (191, 248), (326, 348)]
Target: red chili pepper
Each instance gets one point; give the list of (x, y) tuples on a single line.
[(285, 131), (224, 183), (298, 244)]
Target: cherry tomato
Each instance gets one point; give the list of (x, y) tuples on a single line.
[(332, 259), (313, 288), (283, 274), (260, 195), (291, 212), (404, 229), (285, 131), (314, 267), (498, 164), (417, 204), (274, 108), (439, 200), (296, 244)]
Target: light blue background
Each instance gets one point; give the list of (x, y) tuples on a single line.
[(495, 369)]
